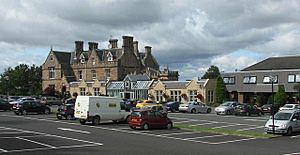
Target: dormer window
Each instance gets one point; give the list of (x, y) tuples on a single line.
[(51, 57), (109, 57), (82, 59)]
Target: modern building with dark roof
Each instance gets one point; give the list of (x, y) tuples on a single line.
[(256, 80), (102, 65)]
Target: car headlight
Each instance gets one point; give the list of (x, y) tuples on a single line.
[(283, 126)]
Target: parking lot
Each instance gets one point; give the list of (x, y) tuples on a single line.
[(63, 135)]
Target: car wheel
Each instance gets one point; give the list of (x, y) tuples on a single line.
[(69, 117), (82, 122), (260, 114), (24, 112), (132, 127), (47, 111), (169, 125), (193, 111), (289, 131), (96, 120), (247, 114), (59, 117), (17, 113), (115, 121), (172, 110), (228, 112), (146, 126), (208, 110)]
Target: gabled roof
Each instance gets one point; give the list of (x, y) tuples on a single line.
[(138, 77), (62, 57), (175, 84), (275, 63)]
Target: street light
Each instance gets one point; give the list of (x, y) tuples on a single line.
[(272, 80)]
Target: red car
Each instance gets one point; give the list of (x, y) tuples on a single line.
[(147, 119)]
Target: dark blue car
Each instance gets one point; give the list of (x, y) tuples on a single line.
[(172, 106)]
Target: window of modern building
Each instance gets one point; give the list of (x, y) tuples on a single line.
[(176, 95), (159, 95), (192, 95), (96, 91), (80, 75), (82, 91), (249, 80), (267, 79), (51, 73), (94, 75), (292, 78), (229, 80)]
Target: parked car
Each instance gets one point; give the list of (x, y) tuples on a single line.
[(70, 101), (285, 122), (172, 106), (267, 109), (22, 99), (157, 107), (4, 105), (289, 107), (65, 111), (144, 103), (195, 107), (226, 108), (50, 100), (148, 119), (26, 107), (247, 109)]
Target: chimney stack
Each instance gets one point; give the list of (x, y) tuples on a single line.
[(79, 46), (113, 43), (93, 46), (147, 50), (136, 48), (127, 43)]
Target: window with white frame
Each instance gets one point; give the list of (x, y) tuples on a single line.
[(82, 91), (249, 80), (292, 78), (80, 75), (96, 91), (268, 79), (93, 61), (192, 95), (109, 57), (176, 95), (229, 80), (94, 75), (159, 95), (82, 59), (51, 73), (210, 96)]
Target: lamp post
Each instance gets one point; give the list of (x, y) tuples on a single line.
[(272, 80), (7, 85)]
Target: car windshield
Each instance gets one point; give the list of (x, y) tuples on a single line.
[(136, 113), (226, 104), (282, 116), (288, 106)]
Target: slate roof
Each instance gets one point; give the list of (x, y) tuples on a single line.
[(142, 85), (138, 77), (175, 84), (62, 57), (115, 85), (276, 63)]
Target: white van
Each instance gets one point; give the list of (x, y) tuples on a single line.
[(99, 108)]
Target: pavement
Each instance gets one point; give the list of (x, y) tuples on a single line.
[(44, 134)]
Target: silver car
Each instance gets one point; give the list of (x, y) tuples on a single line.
[(195, 107), (285, 122), (226, 108)]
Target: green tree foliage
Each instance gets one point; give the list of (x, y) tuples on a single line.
[(22, 80), (297, 88), (212, 73), (220, 91), (280, 97)]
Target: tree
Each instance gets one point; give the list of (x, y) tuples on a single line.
[(220, 91), (280, 97), (22, 80), (297, 88), (212, 73)]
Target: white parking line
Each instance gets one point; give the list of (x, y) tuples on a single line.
[(3, 150), (225, 126), (43, 144), (74, 130), (13, 132), (257, 120), (178, 133), (238, 140), (203, 124), (246, 129), (292, 153), (204, 137), (185, 121)]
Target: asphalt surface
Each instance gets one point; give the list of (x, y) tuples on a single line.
[(44, 134)]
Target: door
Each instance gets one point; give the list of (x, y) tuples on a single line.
[(297, 116)]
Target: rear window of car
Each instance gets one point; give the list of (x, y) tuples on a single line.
[(136, 113)]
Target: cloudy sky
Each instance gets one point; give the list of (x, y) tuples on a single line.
[(186, 35)]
